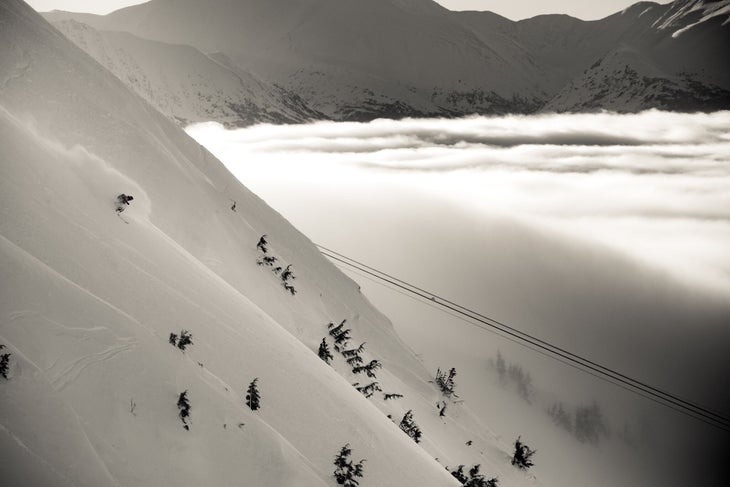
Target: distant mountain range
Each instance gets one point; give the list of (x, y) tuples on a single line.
[(246, 61)]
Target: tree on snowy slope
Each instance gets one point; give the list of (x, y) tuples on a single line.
[(339, 333), (522, 455), (346, 472), (324, 352), (409, 426), (252, 395), (183, 404), (4, 363), (446, 382)]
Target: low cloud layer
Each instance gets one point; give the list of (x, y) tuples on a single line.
[(654, 186), (608, 235)]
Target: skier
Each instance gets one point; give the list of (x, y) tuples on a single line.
[(123, 200)]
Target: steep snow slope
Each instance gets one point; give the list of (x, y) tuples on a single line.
[(185, 83), (88, 302)]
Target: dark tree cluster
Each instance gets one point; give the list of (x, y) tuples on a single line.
[(369, 389), (4, 363), (389, 397), (252, 395), (324, 352), (183, 404), (340, 334), (446, 383), (286, 275), (346, 472), (409, 426), (474, 479), (514, 373), (369, 368), (586, 423), (182, 341), (522, 456)]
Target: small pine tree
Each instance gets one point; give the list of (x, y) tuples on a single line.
[(287, 274), (409, 426), (173, 339), (446, 382), (522, 455), (388, 397), (340, 334), (290, 288), (369, 389), (459, 475), (183, 404), (262, 245), (369, 369), (4, 363), (345, 471), (354, 361), (186, 338), (324, 352), (252, 395), (442, 409)]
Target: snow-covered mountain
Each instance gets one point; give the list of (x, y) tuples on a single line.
[(353, 60), (187, 84), (90, 300)]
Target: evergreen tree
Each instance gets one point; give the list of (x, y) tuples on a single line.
[(388, 397), (340, 334), (183, 404), (369, 389), (346, 472), (522, 455), (262, 245), (408, 425), (252, 395), (290, 288), (173, 339), (186, 338), (459, 475), (287, 274), (4, 363), (324, 352), (369, 369), (446, 382)]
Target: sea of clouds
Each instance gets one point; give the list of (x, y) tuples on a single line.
[(606, 234)]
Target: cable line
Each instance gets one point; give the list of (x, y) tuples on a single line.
[(536, 344)]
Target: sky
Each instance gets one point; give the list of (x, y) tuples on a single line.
[(513, 9)]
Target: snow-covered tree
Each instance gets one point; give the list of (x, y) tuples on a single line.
[(252, 395), (324, 351), (522, 455), (340, 334), (369, 389), (290, 288), (369, 369), (446, 383), (173, 339), (346, 472), (409, 426), (183, 404), (263, 244), (388, 397), (287, 274), (186, 338), (4, 363)]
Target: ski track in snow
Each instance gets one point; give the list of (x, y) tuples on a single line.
[(74, 370), (42, 460)]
